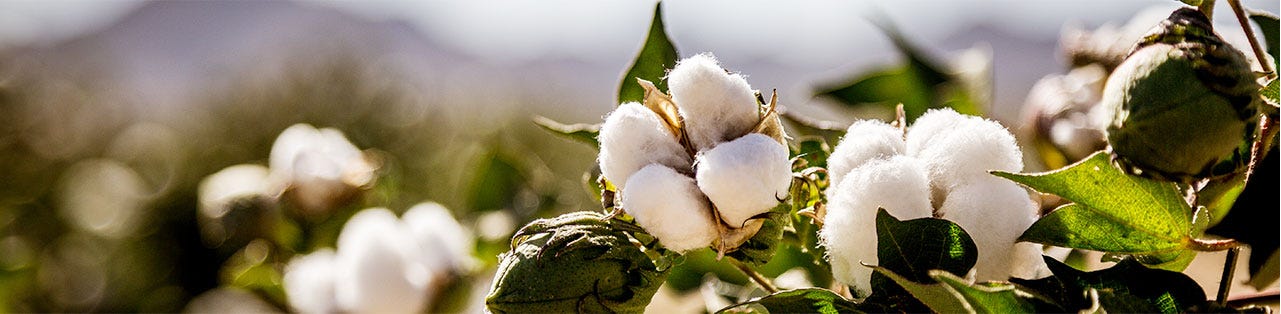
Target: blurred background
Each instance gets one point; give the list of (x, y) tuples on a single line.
[(112, 112)]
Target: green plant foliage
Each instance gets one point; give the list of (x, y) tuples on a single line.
[(809, 300), (579, 132), (953, 294), (655, 57), (1112, 211), (577, 262), (919, 84), (1128, 287), (1268, 25), (761, 247), (911, 249), (1270, 93)]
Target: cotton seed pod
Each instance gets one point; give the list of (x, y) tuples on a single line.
[(717, 106), (379, 269), (745, 177), (865, 140), (958, 148), (1185, 103), (995, 212), (309, 283), (577, 262), (899, 184), (631, 138), (670, 207)]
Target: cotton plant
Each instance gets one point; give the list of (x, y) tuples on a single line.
[(382, 264), (319, 169), (937, 168), (700, 167)]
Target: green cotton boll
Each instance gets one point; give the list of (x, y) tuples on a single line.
[(577, 262), (1185, 103)]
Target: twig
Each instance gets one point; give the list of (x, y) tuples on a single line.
[(1261, 145), (1229, 269), (755, 276), (1249, 34)]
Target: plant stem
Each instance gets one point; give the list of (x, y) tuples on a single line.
[(1229, 269), (1207, 7), (1249, 34), (755, 276), (1267, 130)]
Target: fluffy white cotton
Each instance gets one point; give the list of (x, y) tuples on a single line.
[(446, 245), (899, 184), (717, 106), (958, 148), (670, 207), (378, 266), (319, 165), (309, 283), (218, 190), (745, 177), (863, 141), (634, 136), (995, 211)]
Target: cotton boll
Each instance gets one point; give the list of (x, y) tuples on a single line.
[(321, 167), (717, 106), (995, 212), (446, 245), (633, 136), (670, 207), (378, 266), (863, 141), (745, 177), (958, 148), (899, 185), (309, 283)]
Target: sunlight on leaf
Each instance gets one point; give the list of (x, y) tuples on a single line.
[(579, 132), (809, 300), (1268, 24), (651, 63)]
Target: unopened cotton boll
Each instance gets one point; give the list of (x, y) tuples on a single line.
[(446, 245), (379, 269), (745, 177), (634, 136), (958, 148), (670, 207), (717, 106), (863, 141), (995, 211), (309, 283), (899, 184)]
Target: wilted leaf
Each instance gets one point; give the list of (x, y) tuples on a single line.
[(651, 63), (810, 300), (580, 132), (1113, 211)]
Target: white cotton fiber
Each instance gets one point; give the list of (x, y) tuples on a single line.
[(958, 148), (899, 185), (717, 106), (309, 283), (670, 207), (745, 177), (446, 245), (863, 141), (995, 211), (633, 136), (378, 266)]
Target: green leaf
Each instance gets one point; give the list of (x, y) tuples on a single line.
[(995, 297), (1268, 23), (1113, 211), (1126, 287), (936, 297), (760, 248), (912, 249), (1270, 94), (651, 63), (581, 132), (814, 149), (809, 300), (1191, 2)]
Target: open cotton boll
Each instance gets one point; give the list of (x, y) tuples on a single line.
[(633, 136), (863, 141), (309, 283), (717, 106), (670, 207), (958, 148), (745, 177), (379, 269), (446, 245), (899, 185), (321, 166), (995, 212)]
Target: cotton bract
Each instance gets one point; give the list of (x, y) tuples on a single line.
[(707, 149), (940, 170)]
